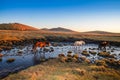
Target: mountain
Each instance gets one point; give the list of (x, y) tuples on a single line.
[(99, 32), (60, 29), (16, 26), (45, 29)]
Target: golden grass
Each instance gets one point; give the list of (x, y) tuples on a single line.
[(21, 35), (55, 70)]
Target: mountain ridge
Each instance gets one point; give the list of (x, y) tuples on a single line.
[(58, 29)]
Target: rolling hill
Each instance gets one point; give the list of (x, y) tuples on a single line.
[(99, 32), (16, 26), (58, 29)]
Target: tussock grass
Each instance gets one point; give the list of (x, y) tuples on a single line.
[(55, 70)]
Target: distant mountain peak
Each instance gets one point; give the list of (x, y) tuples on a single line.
[(59, 29)]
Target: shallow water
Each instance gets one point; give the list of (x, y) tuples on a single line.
[(27, 58)]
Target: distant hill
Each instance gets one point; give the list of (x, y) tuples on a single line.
[(45, 29), (99, 32), (16, 26), (60, 29)]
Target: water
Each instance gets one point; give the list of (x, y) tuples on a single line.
[(27, 58)]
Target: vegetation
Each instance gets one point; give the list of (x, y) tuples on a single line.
[(16, 26), (56, 70), (85, 53), (0, 59), (106, 54), (10, 60), (93, 52)]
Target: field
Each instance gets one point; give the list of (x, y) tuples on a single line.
[(25, 35)]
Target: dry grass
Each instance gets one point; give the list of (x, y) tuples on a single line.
[(55, 70), (21, 35)]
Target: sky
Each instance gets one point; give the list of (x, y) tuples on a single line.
[(78, 15)]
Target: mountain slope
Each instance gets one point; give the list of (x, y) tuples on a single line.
[(99, 32), (16, 26), (60, 29)]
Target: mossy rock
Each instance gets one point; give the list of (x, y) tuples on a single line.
[(69, 52), (85, 53), (0, 59), (103, 54), (93, 52), (10, 60), (76, 56)]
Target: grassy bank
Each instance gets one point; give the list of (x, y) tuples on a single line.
[(14, 37), (56, 70)]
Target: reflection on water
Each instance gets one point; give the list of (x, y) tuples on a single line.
[(27, 58)]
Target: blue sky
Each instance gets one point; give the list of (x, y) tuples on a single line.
[(79, 15)]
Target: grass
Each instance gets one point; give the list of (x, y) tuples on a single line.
[(56, 70), (22, 35)]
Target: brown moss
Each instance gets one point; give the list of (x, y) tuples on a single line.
[(0, 59), (85, 53), (10, 60), (100, 63)]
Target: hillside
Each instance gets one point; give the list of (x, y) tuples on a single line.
[(99, 32), (16, 26), (60, 29)]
